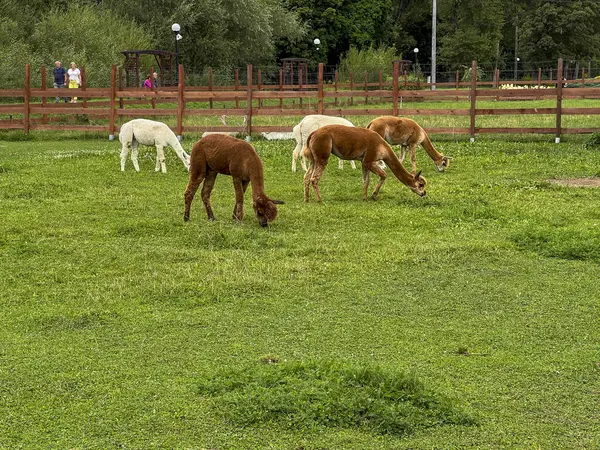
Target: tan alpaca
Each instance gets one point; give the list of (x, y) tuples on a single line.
[(408, 133), (217, 153), (355, 144)]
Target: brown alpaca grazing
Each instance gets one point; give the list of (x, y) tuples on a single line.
[(355, 144), (217, 153), (408, 133)]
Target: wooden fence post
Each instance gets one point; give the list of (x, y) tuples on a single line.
[(559, 87), (83, 84), (582, 77), (352, 87), (320, 90), (366, 88), (180, 101), (210, 86), (380, 84), (336, 79), (113, 94), (457, 83), (259, 86), (300, 84), (395, 75), (43, 72), (154, 89), (237, 85), (281, 87), (27, 92), (120, 86), (473, 97), (249, 102)]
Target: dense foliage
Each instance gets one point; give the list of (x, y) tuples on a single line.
[(227, 33)]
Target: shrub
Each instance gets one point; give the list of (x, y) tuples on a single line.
[(370, 60)]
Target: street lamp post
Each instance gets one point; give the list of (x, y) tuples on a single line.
[(416, 50), (176, 28)]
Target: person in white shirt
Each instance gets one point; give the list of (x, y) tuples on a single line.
[(74, 79)]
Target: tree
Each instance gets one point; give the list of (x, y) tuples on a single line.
[(470, 29), (567, 29), (340, 24)]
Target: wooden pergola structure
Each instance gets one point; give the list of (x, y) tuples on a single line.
[(292, 68), (164, 60)]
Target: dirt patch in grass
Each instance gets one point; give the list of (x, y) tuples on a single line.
[(577, 182)]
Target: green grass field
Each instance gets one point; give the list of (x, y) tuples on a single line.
[(465, 319)]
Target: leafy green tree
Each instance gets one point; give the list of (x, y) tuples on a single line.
[(470, 29), (88, 36), (340, 24), (568, 29), (217, 33)]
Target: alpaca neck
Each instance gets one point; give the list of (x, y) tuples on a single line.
[(258, 183), (398, 169), (431, 151)]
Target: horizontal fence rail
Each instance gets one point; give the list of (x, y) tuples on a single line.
[(38, 109)]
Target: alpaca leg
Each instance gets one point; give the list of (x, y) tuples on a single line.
[(209, 183), (353, 164), (160, 159), (307, 177), (124, 153), (304, 167), (316, 176), (374, 167), (341, 164), (366, 175), (134, 155), (296, 155), (238, 209), (413, 158), (402, 153), (196, 178)]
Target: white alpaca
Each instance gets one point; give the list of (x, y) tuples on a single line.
[(223, 120), (149, 132), (307, 126)]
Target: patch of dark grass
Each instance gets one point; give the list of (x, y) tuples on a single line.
[(564, 243), (329, 394), (82, 321)]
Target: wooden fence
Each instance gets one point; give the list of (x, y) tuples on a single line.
[(253, 100)]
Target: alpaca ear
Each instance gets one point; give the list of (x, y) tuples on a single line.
[(278, 202), (418, 174)]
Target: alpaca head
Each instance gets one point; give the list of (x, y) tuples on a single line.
[(419, 184), (265, 210), (443, 163)]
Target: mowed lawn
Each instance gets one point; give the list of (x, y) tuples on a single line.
[(114, 312)]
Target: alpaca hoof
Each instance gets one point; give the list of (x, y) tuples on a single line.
[(374, 197), (212, 219), (186, 218)]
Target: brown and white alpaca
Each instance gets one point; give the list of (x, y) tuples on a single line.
[(355, 144), (218, 153), (408, 133), (307, 126)]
